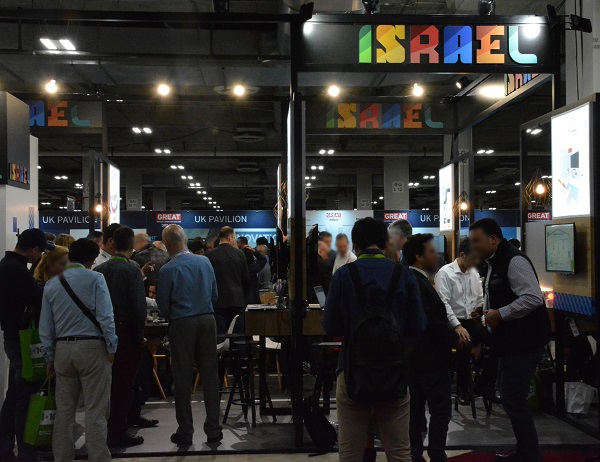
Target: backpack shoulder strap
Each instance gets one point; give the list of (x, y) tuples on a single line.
[(394, 283), (358, 286)]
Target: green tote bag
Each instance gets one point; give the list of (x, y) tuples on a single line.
[(32, 354), (40, 417)]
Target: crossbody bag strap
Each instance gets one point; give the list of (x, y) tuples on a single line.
[(84, 309), (358, 286), (393, 284)]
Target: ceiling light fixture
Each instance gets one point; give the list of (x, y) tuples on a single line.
[(183, 177), (320, 167), (166, 151), (489, 151), (333, 91), (481, 151), (51, 86), (158, 151), (418, 90), (380, 198), (426, 177), (313, 178), (322, 151), (462, 82), (174, 167), (518, 183), (39, 167), (493, 91), (536, 131), (180, 167), (331, 151), (136, 130), (163, 89), (313, 167), (67, 44), (239, 90), (308, 185), (48, 44), (147, 130)]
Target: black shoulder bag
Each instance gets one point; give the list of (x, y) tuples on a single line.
[(84, 309)]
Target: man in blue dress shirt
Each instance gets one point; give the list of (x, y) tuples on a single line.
[(79, 353), (187, 290)]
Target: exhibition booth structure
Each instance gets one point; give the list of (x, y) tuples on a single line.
[(555, 222)]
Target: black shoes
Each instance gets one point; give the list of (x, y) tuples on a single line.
[(215, 439), (142, 422), (125, 441), (181, 440)]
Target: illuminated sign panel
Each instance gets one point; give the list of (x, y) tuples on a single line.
[(475, 45)]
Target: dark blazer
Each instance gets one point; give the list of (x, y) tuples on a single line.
[(435, 345), (155, 256), (231, 271)]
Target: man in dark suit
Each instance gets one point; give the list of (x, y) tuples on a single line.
[(430, 373), (233, 280)]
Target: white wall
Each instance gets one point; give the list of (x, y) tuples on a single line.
[(536, 251), (15, 202)]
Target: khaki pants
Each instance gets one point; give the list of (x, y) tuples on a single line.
[(353, 418), (81, 367)]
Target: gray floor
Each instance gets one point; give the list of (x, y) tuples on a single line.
[(465, 433)]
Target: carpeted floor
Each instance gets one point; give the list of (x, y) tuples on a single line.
[(549, 456)]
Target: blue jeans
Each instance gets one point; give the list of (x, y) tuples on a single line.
[(15, 406), (516, 373)]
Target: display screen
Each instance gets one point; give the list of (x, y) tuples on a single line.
[(114, 195), (446, 177), (571, 143), (560, 248)]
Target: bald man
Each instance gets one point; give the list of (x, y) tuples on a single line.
[(187, 291), (146, 253)]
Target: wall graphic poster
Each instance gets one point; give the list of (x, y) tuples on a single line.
[(114, 191), (446, 178), (571, 144)]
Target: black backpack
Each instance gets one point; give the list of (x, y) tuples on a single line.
[(376, 368)]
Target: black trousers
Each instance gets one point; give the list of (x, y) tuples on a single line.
[(143, 386), (432, 388)]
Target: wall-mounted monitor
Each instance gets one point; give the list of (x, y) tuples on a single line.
[(560, 248), (446, 177), (571, 145)]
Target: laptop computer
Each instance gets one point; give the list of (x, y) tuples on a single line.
[(321, 297)]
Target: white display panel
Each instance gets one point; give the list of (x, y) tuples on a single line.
[(335, 221), (571, 145), (114, 195), (446, 177)]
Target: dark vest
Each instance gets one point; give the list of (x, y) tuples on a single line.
[(520, 335)]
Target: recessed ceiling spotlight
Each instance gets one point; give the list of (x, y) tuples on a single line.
[(418, 90), (313, 167), (307, 178), (411, 184), (167, 151), (331, 151), (183, 177), (313, 178), (432, 177), (158, 150), (190, 177), (174, 167), (481, 151), (205, 198), (489, 151), (528, 130), (198, 192), (375, 202), (163, 89), (64, 177), (518, 183), (535, 131), (57, 177), (380, 198), (39, 167), (239, 90), (210, 198), (416, 184), (136, 130), (320, 167), (426, 177), (462, 82), (147, 130), (51, 86), (308, 185), (322, 151), (180, 167), (203, 192), (333, 91)]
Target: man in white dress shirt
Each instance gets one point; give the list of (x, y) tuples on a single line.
[(459, 286), (344, 253), (108, 248)]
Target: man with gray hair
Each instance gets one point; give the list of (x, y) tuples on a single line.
[(146, 253), (398, 233), (187, 290)]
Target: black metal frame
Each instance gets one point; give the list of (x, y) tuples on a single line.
[(560, 316)]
